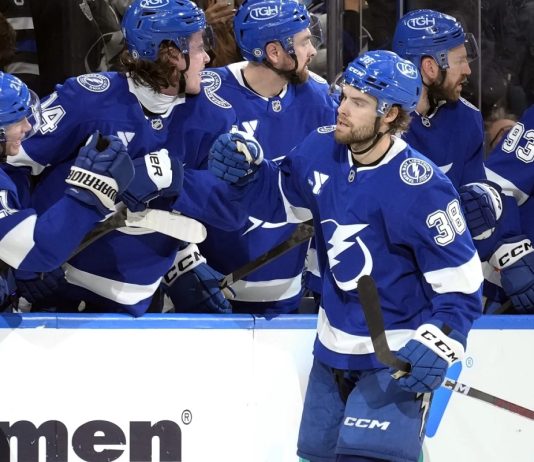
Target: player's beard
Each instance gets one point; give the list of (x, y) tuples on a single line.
[(358, 138), (445, 91), (296, 76)]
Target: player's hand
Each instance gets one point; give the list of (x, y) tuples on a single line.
[(482, 206), (430, 353), (514, 258), (35, 287), (219, 13), (156, 175), (235, 157), (101, 171), (193, 286)]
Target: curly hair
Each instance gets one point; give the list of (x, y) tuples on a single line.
[(157, 74), (401, 122)]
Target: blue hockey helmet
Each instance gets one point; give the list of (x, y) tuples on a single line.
[(259, 22), (387, 77), (148, 23), (17, 102), (422, 33)]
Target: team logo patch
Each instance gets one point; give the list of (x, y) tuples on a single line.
[(326, 129), (415, 171), (211, 82), (407, 69), (264, 13), (96, 83), (317, 78), (154, 3), (421, 22)]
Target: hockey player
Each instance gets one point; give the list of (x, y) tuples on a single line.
[(166, 53), (42, 242), (445, 126), (505, 241), (379, 208), (273, 97)]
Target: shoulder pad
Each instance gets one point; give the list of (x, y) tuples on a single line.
[(211, 82)]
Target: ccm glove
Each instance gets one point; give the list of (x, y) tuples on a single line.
[(38, 286), (235, 157), (101, 171), (156, 175), (482, 206), (430, 352), (193, 286), (515, 259)]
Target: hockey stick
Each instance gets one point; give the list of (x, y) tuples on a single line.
[(172, 224), (303, 232), (370, 302)]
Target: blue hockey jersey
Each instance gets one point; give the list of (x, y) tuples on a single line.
[(453, 138), (31, 242), (399, 221), (122, 270), (509, 165), (278, 123)]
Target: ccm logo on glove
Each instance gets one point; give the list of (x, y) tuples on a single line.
[(445, 347), (185, 260), (508, 254)]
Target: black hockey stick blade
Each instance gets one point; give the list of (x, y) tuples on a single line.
[(370, 302), (303, 232)]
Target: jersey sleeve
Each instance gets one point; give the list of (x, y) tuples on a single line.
[(42, 243), (474, 162), (432, 225)]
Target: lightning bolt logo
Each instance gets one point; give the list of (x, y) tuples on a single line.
[(414, 171), (342, 240)]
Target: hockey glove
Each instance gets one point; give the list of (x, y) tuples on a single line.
[(515, 259), (430, 352), (156, 175), (482, 206), (235, 158), (193, 286), (35, 287), (101, 171)]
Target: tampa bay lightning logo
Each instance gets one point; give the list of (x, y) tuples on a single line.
[(415, 171), (96, 83), (348, 256), (211, 82)]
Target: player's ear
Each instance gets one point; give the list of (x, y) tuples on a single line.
[(273, 52), (392, 114), (429, 68)]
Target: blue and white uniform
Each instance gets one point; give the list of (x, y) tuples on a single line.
[(120, 271), (421, 255), (278, 123), (40, 242), (453, 138)]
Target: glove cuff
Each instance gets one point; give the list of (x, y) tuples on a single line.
[(186, 259), (103, 187), (509, 253), (445, 347)]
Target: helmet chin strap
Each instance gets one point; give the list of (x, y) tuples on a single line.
[(374, 138), (291, 76)]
